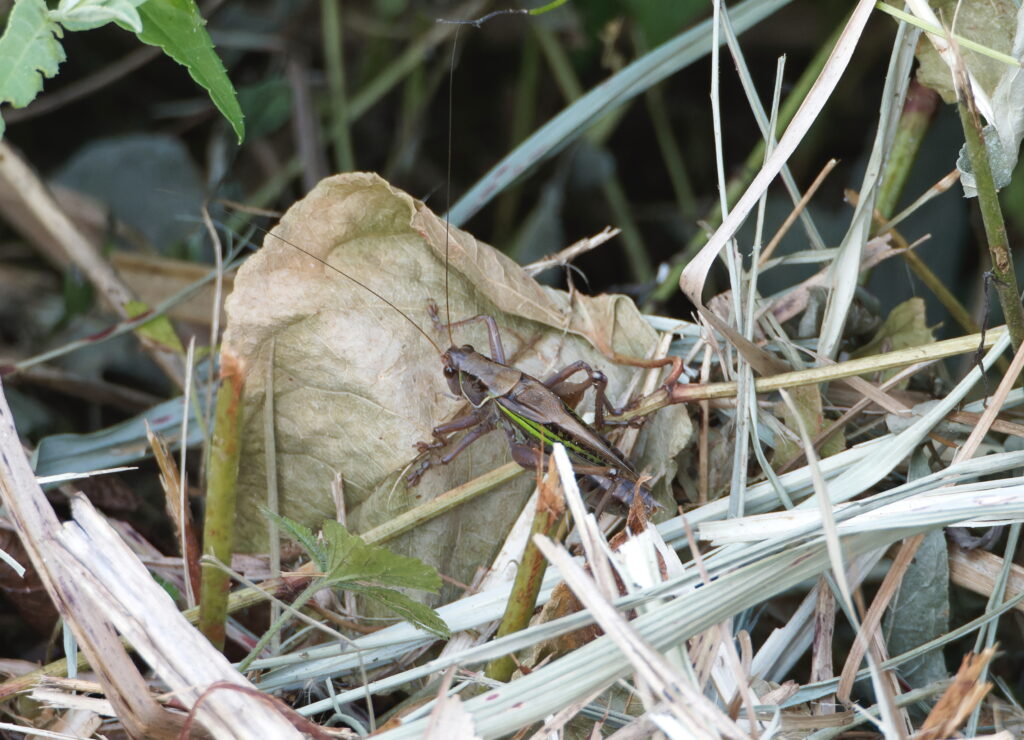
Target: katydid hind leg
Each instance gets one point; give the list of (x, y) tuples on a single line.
[(527, 456), (614, 482), (621, 488), (572, 393)]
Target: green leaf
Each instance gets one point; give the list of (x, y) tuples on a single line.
[(177, 27), (352, 565), (408, 609), (83, 15), (29, 50), (351, 559), (159, 329), (303, 535), (904, 327)]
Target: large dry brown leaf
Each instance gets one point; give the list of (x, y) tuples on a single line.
[(356, 385)]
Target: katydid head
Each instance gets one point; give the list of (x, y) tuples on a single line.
[(475, 377), (461, 382)]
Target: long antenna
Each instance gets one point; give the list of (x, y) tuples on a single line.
[(448, 186), (361, 284)]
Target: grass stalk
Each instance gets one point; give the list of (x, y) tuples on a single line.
[(751, 166), (334, 61), (1004, 277), (548, 519), (221, 492)]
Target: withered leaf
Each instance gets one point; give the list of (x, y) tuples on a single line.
[(356, 384)]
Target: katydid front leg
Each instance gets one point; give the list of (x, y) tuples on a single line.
[(477, 427)]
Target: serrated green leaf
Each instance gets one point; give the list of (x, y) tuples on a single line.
[(29, 50), (412, 611), (177, 27), (303, 535), (352, 565), (89, 14), (351, 559)]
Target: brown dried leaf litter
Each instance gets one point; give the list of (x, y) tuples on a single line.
[(356, 386)]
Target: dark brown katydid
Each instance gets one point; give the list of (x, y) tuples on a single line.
[(533, 414)]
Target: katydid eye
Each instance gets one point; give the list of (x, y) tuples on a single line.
[(449, 371)]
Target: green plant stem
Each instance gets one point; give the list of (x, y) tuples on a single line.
[(915, 120), (221, 495), (334, 61), (530, 575), (1004, 277), (300, 601), (687, 393), (738, 185), (439, 505)]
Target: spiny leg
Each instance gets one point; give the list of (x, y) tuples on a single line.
[(671, 379), (597, 379), (477, 428), (572, 393)]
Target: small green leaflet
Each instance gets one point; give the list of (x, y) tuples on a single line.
[(375, 572), (158, 330)]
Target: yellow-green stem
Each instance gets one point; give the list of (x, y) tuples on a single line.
[(523, 598), (221, 492)]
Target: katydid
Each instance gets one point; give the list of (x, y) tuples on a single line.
[(533, 414)]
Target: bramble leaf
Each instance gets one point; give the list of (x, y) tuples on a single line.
[(29, 50), (303, 535), (408, 609), (177, 27), (375, 572), (351, 559)]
